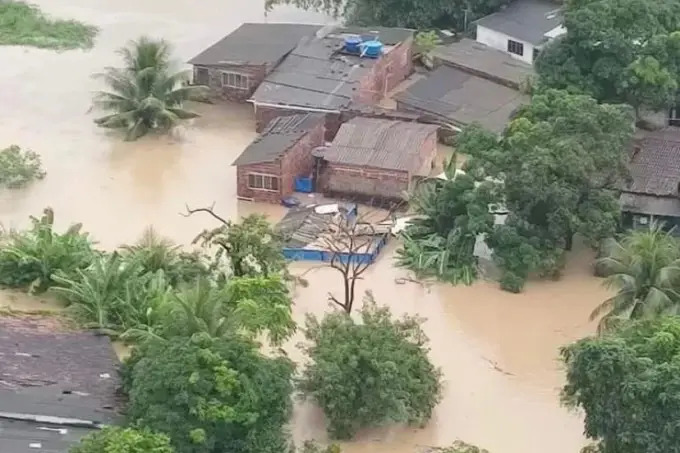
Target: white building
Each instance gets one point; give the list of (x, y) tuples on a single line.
[(521, 28)]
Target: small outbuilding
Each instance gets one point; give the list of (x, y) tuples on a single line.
[(375, 159), (268, 167)]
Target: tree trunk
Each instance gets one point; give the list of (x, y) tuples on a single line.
[(348, 295), (569, 241)]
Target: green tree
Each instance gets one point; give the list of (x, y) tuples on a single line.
[(419, 14), (370, 373), (559, 164), (146, 94), (644, 268), (123, 440), (460, 447), (601, 52), (30, 258), (19, 167), (628, 385), (211, 395)]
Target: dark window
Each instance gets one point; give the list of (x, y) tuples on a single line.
[(201, 76), (536, 53), (235, 80), (515, 47), (263, 182)]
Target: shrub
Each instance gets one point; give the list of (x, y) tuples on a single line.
[(211, 395), (371, 373), (30, 258), (19, 167), (25, 25), (123, 440)]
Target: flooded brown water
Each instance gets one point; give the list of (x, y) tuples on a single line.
[(498, 351)]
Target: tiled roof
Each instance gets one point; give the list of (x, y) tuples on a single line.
[(255, 44), (461, 98), (377, 143), (278, 136), (655, 164)]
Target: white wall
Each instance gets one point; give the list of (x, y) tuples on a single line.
[(499, 41)]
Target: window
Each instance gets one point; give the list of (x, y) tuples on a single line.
[(201, 76), (263, 182), (515, 47), (235, 80)]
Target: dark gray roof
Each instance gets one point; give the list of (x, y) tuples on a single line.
[(650, 204), (316, 74), (655, 164), (377, 143), (302, 226), (49, 371), (452, 95), (17, 436), (526, 20), (480, 59), (279, 135), (255, 44)]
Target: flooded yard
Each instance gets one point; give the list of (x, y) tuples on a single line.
[(498, 351)]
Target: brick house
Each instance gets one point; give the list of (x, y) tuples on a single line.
[(320, 75), (267, 168), (376, 158), (236, 65)]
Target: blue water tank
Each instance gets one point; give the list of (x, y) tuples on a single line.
[(372, 49), (353, 44)]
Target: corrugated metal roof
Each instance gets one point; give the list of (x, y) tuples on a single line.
[(462, 98), (18, 436), (650, 204), (279, 135), (317, 74), (369, 142), (655, 165), (526, 20), (255, 44)]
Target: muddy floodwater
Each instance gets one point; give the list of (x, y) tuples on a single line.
[(498, 351)]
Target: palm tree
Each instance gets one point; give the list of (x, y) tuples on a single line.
[(645, 269), (146, 94)]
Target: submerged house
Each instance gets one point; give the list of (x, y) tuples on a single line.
[(56, 385), (335, 69), (473, 83), (653, 194), (235, 66), (266, 170), (522, 28), (376, 159)]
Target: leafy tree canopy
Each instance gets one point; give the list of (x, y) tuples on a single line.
[(417, 14), (558, 164), (629, 387), (617, 51), (370, 373), (211, 395), (124, 440)]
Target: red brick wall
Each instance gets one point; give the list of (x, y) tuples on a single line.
[(388, 72), (255, 73), (298, 161), (363, 181), (243, 191)]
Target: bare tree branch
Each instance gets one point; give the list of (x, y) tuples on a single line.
[(210, 210)]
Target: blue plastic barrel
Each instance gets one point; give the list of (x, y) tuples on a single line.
[(353, 44), (372, 49)]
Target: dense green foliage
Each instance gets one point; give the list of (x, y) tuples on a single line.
[(246, 248), (460, 447), (628, 386), (369, 373), (617, 51), (211, 395), (558, 165), (30, 258), (644, 268), (452, 212), (123, 440), (19, 167), (418, 14), (25, 25), (147, 94)]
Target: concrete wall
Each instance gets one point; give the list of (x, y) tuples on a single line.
[(499, 41), (255, 76)]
